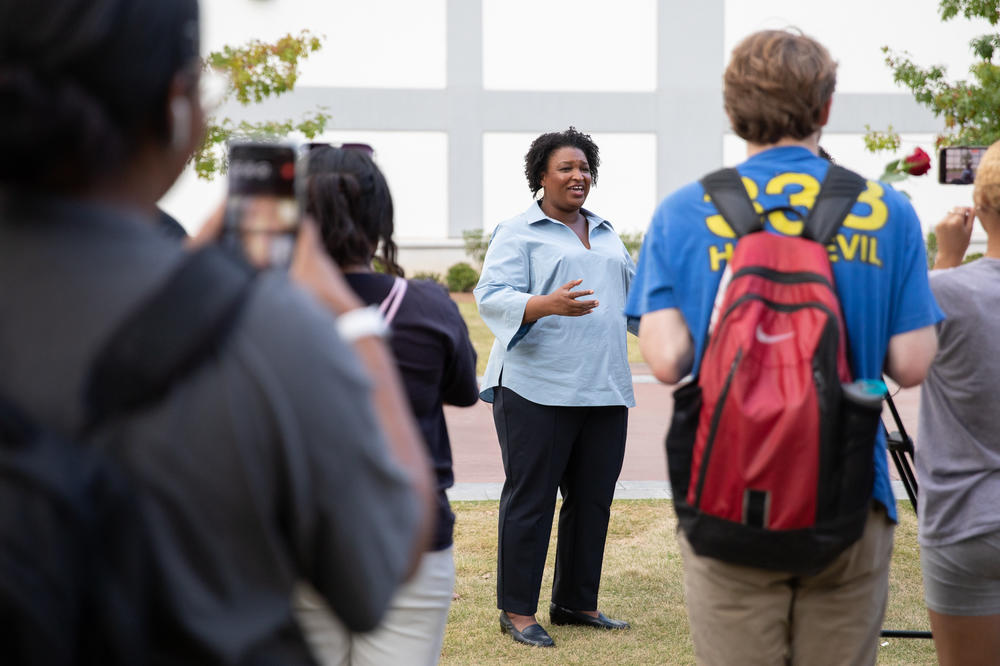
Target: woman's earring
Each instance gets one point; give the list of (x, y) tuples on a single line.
[(180, 123)]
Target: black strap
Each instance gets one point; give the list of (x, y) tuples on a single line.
[(725, 187), (169, 334), (837, 194)]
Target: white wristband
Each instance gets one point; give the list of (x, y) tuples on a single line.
[(361, 323)]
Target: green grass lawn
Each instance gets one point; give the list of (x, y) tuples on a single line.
[(482, 338), (642, 584)]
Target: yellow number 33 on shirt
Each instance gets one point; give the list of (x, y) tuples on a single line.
[(804, 190)]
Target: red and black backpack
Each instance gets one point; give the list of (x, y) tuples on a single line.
[(769, 464)]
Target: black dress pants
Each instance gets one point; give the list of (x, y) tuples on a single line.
[(578, 450)]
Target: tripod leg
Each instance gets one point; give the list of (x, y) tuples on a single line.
[(899, 445)]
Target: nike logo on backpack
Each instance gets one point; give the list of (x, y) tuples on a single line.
[(772, 339)]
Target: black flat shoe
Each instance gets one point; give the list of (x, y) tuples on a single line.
[(560, 615), (533, 635)]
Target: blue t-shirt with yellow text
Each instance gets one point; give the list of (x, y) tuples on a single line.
[(878, 259)]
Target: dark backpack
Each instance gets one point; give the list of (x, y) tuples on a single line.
[(770, 465), (76, 581)]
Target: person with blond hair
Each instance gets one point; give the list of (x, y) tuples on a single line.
[(957, 452), (778, 89)]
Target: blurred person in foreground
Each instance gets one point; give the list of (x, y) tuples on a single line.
[(289, 454), (957, 450), (778, 88), (552, 291), (350, 201)]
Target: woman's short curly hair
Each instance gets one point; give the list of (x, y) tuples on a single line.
[(777, 85), (537, 159)]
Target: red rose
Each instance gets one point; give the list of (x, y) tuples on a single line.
[(917, 164)]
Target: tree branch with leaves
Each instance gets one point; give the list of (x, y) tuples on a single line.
[(252, 73), (970, 108)]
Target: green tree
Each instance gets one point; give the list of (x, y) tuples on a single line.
[(970, 108), (252, 73)]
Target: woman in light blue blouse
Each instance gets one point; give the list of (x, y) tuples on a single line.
[(553, 292)]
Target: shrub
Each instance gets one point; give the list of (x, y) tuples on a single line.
[(461, 277)]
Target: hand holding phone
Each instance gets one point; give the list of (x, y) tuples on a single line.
[(262, 210)]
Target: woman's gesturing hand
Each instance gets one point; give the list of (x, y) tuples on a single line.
[(563, 301)]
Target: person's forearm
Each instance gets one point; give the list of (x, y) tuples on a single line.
[(536, 308)]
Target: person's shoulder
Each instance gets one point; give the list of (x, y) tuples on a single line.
[(890, 195), (518, 222), (433, 304), (515, 231), (429, 293), (683, 205), (955, 288), (960, 278), (693, 192), (428, 288)]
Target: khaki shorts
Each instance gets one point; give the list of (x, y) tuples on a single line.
[(744, 615)]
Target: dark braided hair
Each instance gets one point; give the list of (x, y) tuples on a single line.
[(537, 159), (350, 200)]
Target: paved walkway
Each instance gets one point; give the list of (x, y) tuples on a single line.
[(479, 470)]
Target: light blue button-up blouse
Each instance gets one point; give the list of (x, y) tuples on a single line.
[(557, 360)]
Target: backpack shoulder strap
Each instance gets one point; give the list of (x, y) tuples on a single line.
[(169, 334), (725, 188), (837, 194), (393, 300)]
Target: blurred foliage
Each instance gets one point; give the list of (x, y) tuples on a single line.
[(476, 244), (252, 73), (632, 240), (970, 108), (877, 142), (461, 277)]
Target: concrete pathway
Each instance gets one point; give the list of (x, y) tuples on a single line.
[(479, 470)]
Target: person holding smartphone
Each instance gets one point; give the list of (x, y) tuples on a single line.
[(349, 198), (553, 291), (290, 454), (957, 452)]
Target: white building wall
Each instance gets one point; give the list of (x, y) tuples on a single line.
[(451, 92)]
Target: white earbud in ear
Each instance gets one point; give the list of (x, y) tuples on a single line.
[(180, 123)]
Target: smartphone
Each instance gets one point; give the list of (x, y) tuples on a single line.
[(957, 165), (263, 209)]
